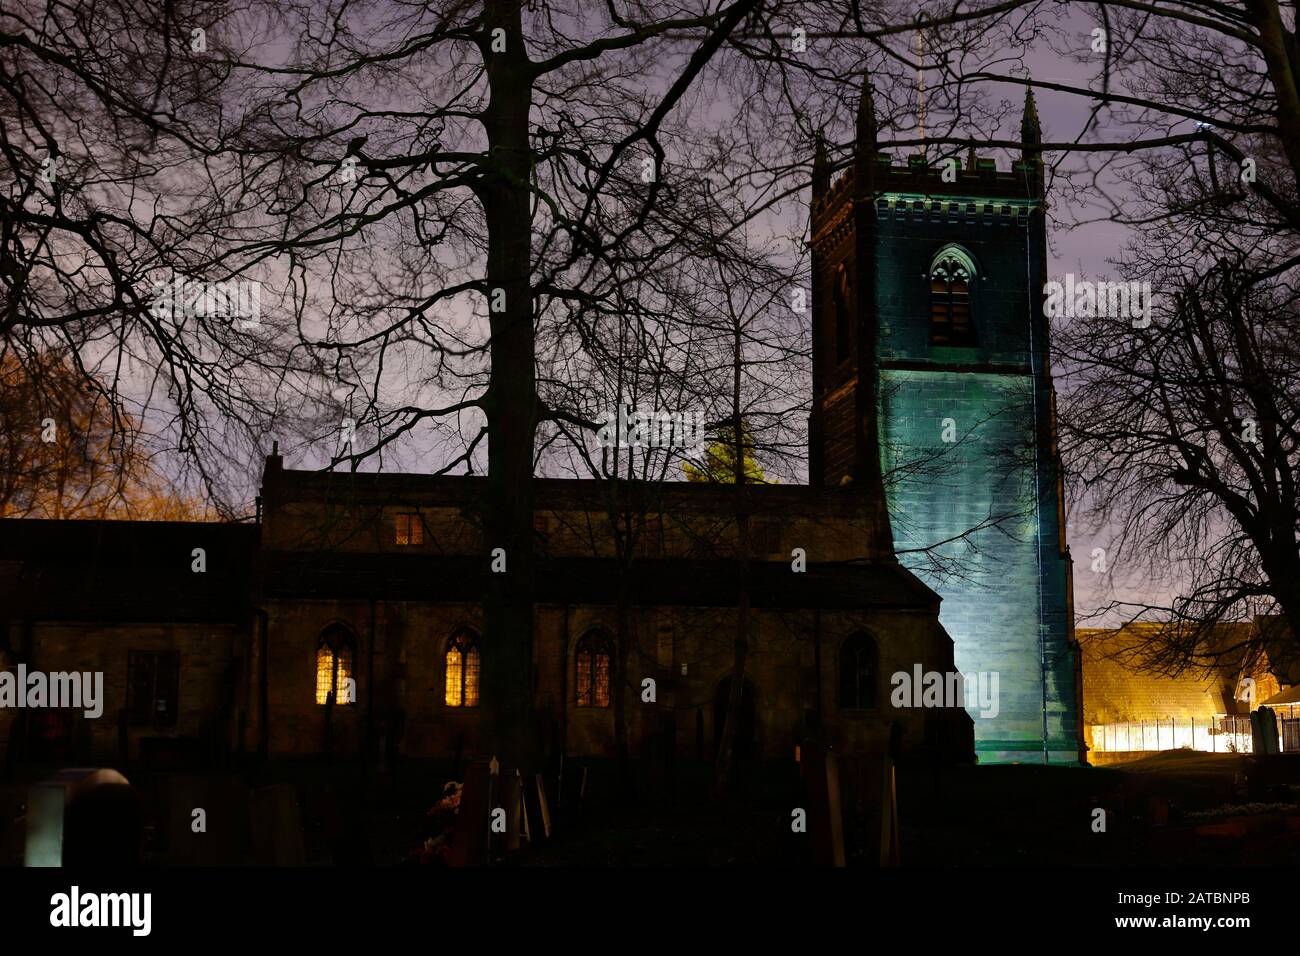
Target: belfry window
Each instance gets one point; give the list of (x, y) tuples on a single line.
[(951, 276), (462, 670)]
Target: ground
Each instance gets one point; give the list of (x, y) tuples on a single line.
[(1173, 808)]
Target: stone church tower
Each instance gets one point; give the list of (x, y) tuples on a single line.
[(930, 354)]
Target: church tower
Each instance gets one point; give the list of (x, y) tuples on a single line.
[(930, 357)]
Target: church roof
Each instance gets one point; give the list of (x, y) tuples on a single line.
[(1117, 687), (391, 488), (125, 570), (142, 571), (662, 581)]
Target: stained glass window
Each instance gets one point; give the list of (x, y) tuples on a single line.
[(461, 682), (593, 678), (334, 666), (410, 529), (858, 673)]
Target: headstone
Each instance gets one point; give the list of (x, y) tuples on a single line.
[(1263, 731), (825, 816), (276, 826), (469, 835), (1269, 720), (524, 815), (1256, 732), (516, 816), (52, 805), (889, 835), (543, 810)]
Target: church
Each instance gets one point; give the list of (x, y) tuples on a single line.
[(347, 621)]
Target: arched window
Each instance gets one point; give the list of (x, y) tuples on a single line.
[(593, 656), (334, 655), (462, 670), (843, 321), (858, 659), (951, 275)]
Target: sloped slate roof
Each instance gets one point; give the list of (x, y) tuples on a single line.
[(1115, 690), (1289, 696), (141, 571), (682, 582), (125, 570), (395, 488)]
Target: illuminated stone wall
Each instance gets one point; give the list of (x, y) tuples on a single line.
[(1005, 587)]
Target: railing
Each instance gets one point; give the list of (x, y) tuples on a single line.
[(1220, 734)]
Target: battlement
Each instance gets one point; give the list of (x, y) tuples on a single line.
[(920, 178)]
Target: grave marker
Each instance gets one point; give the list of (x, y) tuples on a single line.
[(469, 834), (48, 803), (825, 816)]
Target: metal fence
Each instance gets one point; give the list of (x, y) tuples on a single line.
[(1288, 719), (1221, 734)]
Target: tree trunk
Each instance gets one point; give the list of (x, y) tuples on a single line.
[(510, 404), (723, 763), (740, 647), (1273, 44)]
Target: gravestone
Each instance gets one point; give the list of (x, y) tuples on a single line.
[(516, 814), (469, 834), (1263, 731), (543, 810), (1269, 720), (825, 816), (83, 816), (889, 835)]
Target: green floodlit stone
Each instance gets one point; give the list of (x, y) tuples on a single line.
[(1009, 609), (895, 197)]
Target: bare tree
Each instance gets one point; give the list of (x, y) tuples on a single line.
[(1185, 439), (1179, 425), (121, 192), (426, 195)]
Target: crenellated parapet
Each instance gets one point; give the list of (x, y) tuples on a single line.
[(922, 179)]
